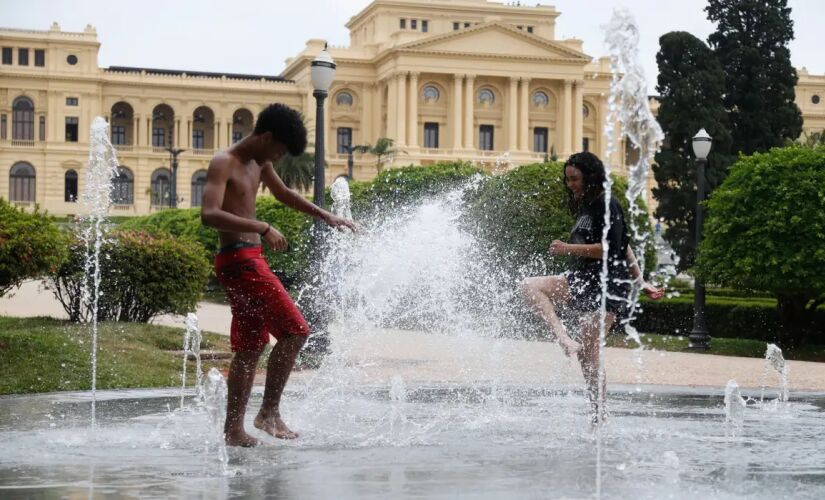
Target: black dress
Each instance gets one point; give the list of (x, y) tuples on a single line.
[(584, 276)]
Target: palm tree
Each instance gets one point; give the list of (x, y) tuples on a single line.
[(296, 171), (382, 149)]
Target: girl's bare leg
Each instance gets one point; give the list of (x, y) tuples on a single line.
[(545, 294), (589, 360)]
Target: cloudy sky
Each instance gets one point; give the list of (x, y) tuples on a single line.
[(256, 36)]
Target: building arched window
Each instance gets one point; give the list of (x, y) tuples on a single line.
[(198, 185), (585, 111), (344, 99), (123, 187), (486, 96), (23, 119), (22, 182), (70, 186), (540, 99), (161, 187)]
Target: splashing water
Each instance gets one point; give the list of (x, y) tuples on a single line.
[(776, 361), (96, 199), (734, 409), (502, 164), (341, 205), (213, 400), (191, 346)]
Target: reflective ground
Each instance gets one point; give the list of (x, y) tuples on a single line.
[(433, 441)]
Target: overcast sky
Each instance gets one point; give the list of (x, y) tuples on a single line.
[(246, 36)]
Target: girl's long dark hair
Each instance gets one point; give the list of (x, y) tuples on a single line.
[(593, 174)]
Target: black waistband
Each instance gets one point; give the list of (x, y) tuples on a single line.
[(237, 246)]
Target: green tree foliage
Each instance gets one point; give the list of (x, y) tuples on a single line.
[(751, 42), (691, 85), (382, 150), (142, 275), (31, 246), (766, 231), (295, 227)]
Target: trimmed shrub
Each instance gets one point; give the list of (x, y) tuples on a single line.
[(31, 246), (295, 226), (142, 275), (182, 223)]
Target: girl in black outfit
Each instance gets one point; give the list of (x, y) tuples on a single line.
[(579, 289)]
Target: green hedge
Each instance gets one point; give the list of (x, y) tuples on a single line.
[(30, 245), (726, 317)]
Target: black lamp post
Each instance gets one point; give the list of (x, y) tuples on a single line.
[(173, 156), (350, 162), (322, 72), (699, 336)]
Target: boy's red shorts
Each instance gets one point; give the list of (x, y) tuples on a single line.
[(260, 304)]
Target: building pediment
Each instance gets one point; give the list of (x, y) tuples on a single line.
[(495, 40)]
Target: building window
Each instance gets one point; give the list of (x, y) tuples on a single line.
[(22, 182), (22, 120), (158, 137), (466, 25), (161, 187), (42, 128), (344, 139), (540, 99), (540, 139), (431, 94), (23, 57), (414, 24), (236, 136), (71, 129), (425, 26), (529, 29), (70, 186), (39, 57), (344, 99), (456, 26), (7, 55), (123, 187), (3, 126), (520, 27), (486, 96), (198, 185), (585, 144), (402, 23), (431, 135), (71, 59), (118, 135), (197, 139), (815, 99), (71, 101), (485, 137)]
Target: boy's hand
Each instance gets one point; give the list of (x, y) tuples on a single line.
[(275, 240), (340, 223)]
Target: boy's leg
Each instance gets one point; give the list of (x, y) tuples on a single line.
[(545, 293), (239, 386), (589, 360), (279, 366)]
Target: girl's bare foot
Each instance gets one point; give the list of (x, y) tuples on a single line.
[(275, 427), (568, 345), (240, 438)]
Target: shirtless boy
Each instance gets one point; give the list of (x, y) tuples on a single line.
[(260, 304)]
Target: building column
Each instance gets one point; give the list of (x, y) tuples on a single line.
[(524, 114), (401, 127), (149, 131), (392, 107), (456, 118), (177, 132), (469, 111), (228, 124), (578, 116), (512, 115), (377, 112), (136, 132), (188, 133), (567, 119), (215, 134), (412, 118)]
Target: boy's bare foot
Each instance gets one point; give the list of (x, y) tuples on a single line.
[(568, 345), (275, 427), (240, 438)]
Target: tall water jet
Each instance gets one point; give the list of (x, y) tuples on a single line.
[(96, 199), (734, 409), (776, 361), (213, 399), (191, 346)]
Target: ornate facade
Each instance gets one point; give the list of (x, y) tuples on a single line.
[(446, 80)]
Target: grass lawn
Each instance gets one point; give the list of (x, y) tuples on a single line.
[(44, 355), (723, 346)]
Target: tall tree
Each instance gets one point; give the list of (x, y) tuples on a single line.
[(691, 85), (751, 42)]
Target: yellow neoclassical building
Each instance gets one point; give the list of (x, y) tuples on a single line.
[(446, 80)]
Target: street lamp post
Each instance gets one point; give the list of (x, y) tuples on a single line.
[(173, 157), (322, 72), (350, 162), (699, 336)]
